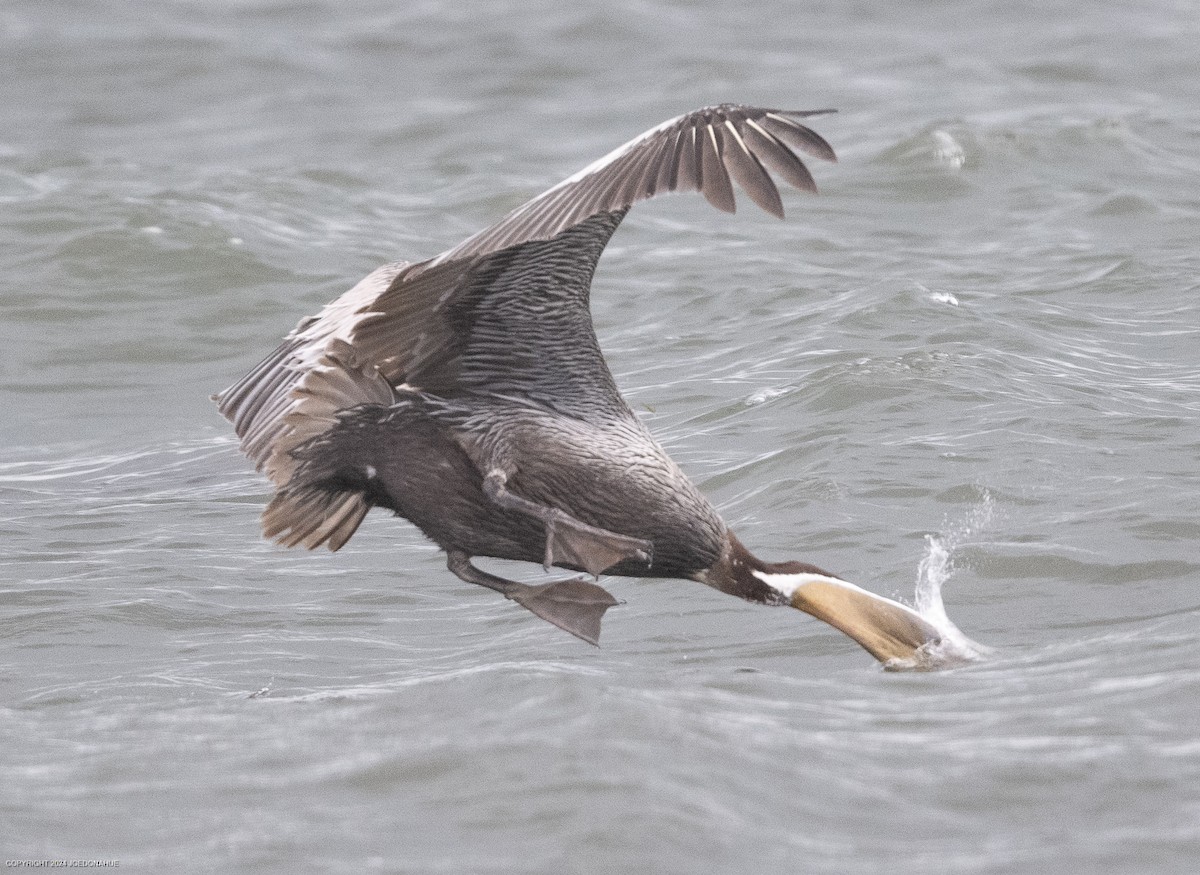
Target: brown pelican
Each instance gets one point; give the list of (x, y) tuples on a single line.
[(467, 393)]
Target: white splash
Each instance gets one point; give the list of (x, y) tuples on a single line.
[(947, 149), (935, 569)]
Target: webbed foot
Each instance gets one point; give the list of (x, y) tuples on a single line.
[(571, 542), (576, 605)]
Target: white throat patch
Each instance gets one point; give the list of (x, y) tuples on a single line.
[(787, 584)]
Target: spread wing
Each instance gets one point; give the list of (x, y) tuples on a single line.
[(506, 311)]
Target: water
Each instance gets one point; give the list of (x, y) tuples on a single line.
[(969, 364)]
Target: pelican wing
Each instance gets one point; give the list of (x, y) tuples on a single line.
[(698, 151), (506, 311)]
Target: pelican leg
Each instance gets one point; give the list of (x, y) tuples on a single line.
[(569, 541), (576, 605)]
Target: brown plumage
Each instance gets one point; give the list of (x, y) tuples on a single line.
[(467, 393)]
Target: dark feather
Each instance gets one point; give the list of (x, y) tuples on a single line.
[(506, 309), (716, 185), (745, 169)]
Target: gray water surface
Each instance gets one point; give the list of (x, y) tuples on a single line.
[(979, 343)]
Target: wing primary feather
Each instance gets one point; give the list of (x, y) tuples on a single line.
[(746, 170), (798, 136), (690, 175), (777, 157), (715, 184), (803, 113), (668, 168)]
